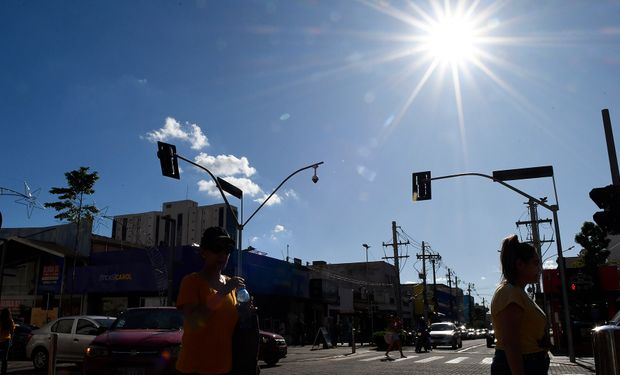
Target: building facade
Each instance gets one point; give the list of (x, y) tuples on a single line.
[(179, 223)]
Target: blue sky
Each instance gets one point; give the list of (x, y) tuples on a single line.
[(258, 89)]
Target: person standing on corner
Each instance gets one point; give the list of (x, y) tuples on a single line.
[(208, 302), (520, 325), (7, 328)]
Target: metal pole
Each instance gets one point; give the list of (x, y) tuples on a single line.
[(561, 265), (611, 148), (240, 241)]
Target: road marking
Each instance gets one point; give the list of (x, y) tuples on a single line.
[(470, 347), (351, 356), (406, 358), (372, 358), (487, 361), (457, 360), (429, 359)]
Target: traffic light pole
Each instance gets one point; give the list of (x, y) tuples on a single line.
[(554, 209)]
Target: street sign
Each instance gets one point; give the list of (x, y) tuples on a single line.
[(523, 173), (230, 188), (421, 186)]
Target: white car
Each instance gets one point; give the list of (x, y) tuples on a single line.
[(445, 334), (75, 333)]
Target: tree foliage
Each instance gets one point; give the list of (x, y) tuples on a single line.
[(70, 205), (594, 241)]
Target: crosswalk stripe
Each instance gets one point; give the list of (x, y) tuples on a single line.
[(351, 356), (372, 358), (406, 358), (457, 360), (429, 359), (487, 361)]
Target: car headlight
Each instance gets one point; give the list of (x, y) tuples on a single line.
[(171, 352), (97, 351)]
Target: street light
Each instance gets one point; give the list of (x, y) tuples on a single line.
[(169, 166), (423, 183), (372, 323)]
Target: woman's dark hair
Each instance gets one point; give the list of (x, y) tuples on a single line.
[(5, 319), (513, 250)]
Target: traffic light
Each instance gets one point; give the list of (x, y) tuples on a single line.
[(421, 186), (607, 198), (167, 155), (573, 286)]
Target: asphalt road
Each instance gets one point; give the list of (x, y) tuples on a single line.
[(473, 358)]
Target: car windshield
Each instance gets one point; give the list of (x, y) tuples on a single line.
[(105, 322), (441, 327), (164, 319)]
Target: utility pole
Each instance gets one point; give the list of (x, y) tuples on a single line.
[(470, 302), (394, 244), (433, 258), (372, 323), (449, 275), (535, 240), (456, 299)]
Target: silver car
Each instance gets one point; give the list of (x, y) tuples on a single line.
[(445, 334), (75, 333)]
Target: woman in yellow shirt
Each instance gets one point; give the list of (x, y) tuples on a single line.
[(7, 327), (519, 324), (208, 302)]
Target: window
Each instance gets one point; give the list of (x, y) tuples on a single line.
[(85, 327), (63, 326)]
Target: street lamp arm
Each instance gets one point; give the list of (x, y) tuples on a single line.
[(315, 165), (217, 184), (538, 201)]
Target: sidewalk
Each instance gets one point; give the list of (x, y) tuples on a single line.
[(562, 365)]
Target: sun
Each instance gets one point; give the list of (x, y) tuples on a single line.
[(451, 40)]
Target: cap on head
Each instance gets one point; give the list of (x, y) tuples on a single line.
[(216, 236)]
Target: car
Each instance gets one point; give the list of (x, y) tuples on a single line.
[(142, 340), (445, 334), (463, 332), (471, 334), (272, 348), (490, 338), (75, 333), (21, 336), (147, 340)]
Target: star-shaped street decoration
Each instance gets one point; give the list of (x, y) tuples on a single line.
[(29, 199)]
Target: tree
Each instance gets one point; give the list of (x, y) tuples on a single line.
[(71, 205), (72, 208), (594, 241)]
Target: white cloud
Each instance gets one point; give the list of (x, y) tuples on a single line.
[(550, 264), (254, 239), (275, 199), (366, 173), (278, 228), (291, 194), (482, 278), (174, 130), (227, 165), (245, 184)]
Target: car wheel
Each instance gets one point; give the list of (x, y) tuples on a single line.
[(271, 361), (40, 359)]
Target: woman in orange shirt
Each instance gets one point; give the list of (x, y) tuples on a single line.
[(7, 327), (208, 301), (520, 325)]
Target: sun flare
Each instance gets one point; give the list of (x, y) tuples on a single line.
[(451, 40)]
